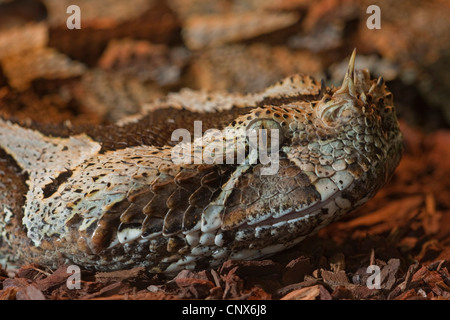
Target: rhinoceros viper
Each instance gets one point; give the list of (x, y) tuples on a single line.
[(106, 198)]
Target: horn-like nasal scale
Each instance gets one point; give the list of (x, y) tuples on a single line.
[(348, 85)]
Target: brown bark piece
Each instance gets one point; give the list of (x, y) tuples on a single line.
[(121, 275), (309, 293), (56, 279), (296, 270), (30, 293), (333, 279), (388, 274)]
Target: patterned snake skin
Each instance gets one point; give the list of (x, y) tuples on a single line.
[(107, 198)]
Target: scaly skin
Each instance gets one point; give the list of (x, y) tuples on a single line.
[(103, 199)]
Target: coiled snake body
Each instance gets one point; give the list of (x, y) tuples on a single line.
[(105, 198)]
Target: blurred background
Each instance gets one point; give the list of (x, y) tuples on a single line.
[(127, 53)]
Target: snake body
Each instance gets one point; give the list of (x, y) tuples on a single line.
[(113, 197)]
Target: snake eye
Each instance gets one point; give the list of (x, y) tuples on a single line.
[(265, 135)]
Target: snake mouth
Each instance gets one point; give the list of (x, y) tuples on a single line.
[(294, 214)]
